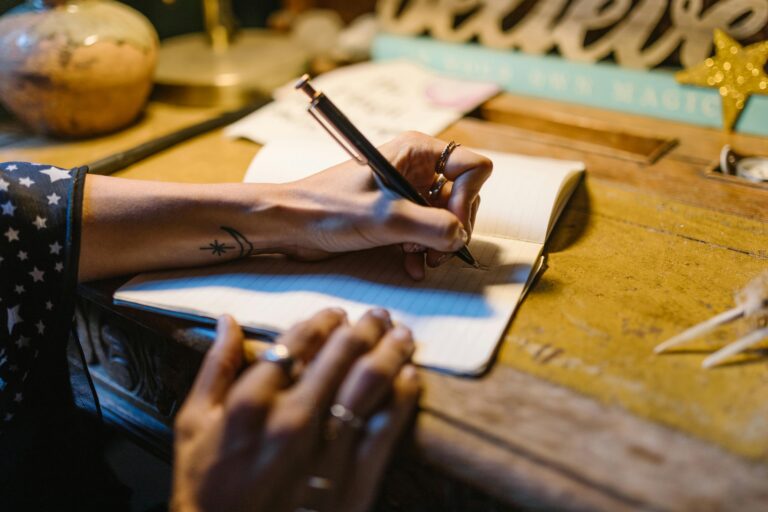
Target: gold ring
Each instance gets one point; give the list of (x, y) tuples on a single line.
[(437, 186)]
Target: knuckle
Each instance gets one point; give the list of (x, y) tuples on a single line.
[(448, 228)]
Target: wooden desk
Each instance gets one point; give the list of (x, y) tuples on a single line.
[(577, 413)]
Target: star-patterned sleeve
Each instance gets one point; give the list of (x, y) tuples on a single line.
[(40, 210)]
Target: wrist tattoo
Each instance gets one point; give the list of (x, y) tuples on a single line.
[(220, 248)]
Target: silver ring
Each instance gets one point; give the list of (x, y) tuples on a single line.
[(280, 355), (437, 186), (320, 483), (347, 417)]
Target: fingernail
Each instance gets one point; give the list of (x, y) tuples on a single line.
[(222, 323), (383, 315), (401, 333), (405, 339), (339, 311)]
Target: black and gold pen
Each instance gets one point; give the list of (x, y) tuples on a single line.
[(361, 150)]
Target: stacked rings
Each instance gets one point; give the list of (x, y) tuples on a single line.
[(441, 180)]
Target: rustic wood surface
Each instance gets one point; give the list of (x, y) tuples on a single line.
[(643, 250)]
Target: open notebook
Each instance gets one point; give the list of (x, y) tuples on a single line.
[(458, 314)]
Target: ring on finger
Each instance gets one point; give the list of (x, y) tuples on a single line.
[(281, 356), (347, 416), (342, 417), (437, 186), (444, 156)]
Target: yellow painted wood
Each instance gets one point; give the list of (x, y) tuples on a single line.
[(627, 270)]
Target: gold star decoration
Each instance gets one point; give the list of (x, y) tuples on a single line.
[(735, 71)]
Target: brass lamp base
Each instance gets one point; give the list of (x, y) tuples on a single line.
[(191, 72)]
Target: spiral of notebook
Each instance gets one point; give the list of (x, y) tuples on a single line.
[(458, 314)]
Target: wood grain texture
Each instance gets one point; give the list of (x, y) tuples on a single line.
[(527, 441), (694, 142), (198, 162)]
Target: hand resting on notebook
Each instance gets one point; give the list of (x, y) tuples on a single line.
[(130, 226), (259, 441)]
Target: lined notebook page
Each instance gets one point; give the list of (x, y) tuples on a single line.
[(523, 196), (457, 314)]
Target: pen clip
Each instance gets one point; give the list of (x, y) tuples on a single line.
[(339, 138)]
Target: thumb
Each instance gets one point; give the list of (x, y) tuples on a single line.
[(435, 228), (221, 363)]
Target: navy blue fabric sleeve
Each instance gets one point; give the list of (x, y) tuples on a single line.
[(40, 208)]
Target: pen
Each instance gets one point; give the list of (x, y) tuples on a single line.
[(361, 150)]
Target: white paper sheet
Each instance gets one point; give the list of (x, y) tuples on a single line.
[(381, 98)]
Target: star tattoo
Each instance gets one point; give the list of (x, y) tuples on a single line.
[(217, 248)]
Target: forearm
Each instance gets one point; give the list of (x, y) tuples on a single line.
[(132, 226)]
